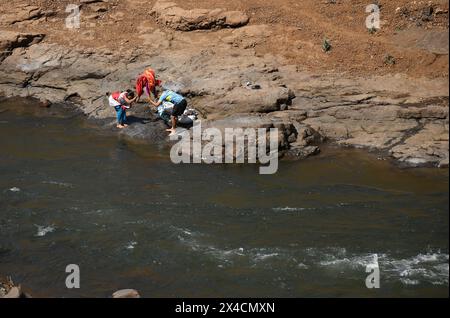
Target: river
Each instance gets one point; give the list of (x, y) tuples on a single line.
[(72, 194)]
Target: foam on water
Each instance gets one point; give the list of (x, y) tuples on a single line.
[(265, 256), (302, 209), (353, 262), (44, 230), (131, 245), (430, 267), (289, 209)]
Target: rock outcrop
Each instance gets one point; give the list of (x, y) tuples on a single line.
[(413, 130), (170, 14)]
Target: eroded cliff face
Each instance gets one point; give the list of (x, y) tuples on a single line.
[(213, 57)]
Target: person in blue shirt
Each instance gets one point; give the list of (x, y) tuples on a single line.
[(179, 107)]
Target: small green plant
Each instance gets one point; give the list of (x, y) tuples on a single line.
[(389, 59), (326, 46)]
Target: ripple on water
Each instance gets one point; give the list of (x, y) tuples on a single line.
[(423, 268)]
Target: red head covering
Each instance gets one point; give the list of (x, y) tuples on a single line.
[(147, 79)]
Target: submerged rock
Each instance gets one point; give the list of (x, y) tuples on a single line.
[(10, 40), (14, 292)]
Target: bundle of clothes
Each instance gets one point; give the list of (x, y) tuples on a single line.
[(187, 119)]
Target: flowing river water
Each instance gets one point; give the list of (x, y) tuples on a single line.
[(71, 194)]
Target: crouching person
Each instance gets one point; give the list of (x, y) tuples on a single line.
[(179, 107), (147, 81), (121, 101)]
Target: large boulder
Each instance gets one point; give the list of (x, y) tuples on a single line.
[(175, 17), (10, 40), (53, 72), (428, 112), (267, 99)]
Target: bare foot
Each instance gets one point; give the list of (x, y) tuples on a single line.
[(120, 126), (170, 130), (125, 125)]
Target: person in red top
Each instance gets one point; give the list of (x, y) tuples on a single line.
[(147, 81), (121, 101)]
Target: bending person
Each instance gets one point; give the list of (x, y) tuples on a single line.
[(147, 81), (121, 101), (179, 107)]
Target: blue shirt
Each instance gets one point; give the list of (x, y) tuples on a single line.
[(170, 96)]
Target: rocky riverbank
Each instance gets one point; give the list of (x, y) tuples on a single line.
[(212, 56), (10, 290)]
